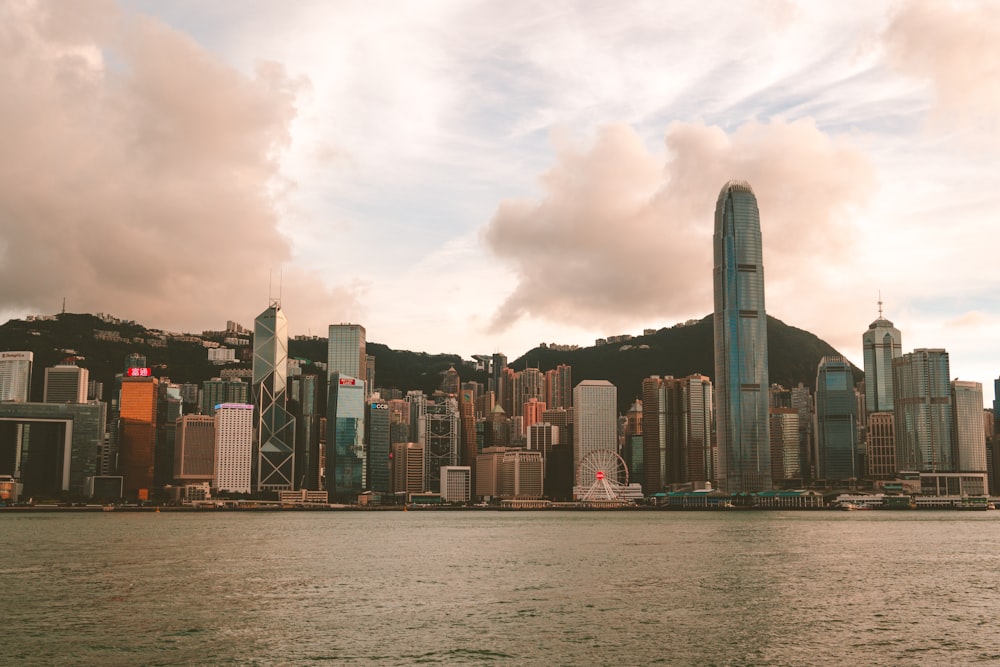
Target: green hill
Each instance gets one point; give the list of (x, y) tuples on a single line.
[(679, 351), (793, 355)]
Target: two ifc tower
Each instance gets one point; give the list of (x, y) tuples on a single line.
[(741, 382)]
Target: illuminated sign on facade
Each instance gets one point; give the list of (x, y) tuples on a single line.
[(138, 372)]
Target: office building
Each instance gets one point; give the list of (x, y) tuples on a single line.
[(440, 435), (880, 445), (51, 447), (559, 387), (882, 344), (521, 473), (676, 431), (234, 446), (923, 411), (542, 437), (836, 420), (784, 444), (275, 445), (345, 351), (740, 322), (532, 412), (217, 391), (194, 449), (137, 434), (595, 420), (66, 383), (15, 376), (346, 469), (456, 484), (407, 467), (970, 439), (379, 446), (528, 384), (307, 403)]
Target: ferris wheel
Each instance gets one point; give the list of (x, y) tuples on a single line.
[(602, 476)]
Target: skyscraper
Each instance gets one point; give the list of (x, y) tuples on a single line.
[(137, 433), (882, 343), (970, 440), (836, 420), (233, 447), (66, 383), (345, 351), (275, 425), (595, 420), (740, 320), (439, 426), (15, 376), (346, 455), (377, 437), (923, 411), (194, 452)]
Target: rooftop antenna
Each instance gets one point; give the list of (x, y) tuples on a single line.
[(274, 303), (880, 304), (64, 306)]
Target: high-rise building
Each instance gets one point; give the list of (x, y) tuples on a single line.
[(275, 447), (456, 484), (528, 384), (676, 431), (595, 420), (407, 467), (923, 410), (882, 344), (559, 387), (784, 444), (836, 420), (307, 402), (542, 437), (194, 450), (51, 447), (440, 436), (470, 444), (740, 320), (15, 376), (346, 469), (521, 473), (345, 352), (532, 411), (137, 434), (66, 383), (217, 391), (379, 446), (970, 440), (881, 445), (450, 382), (234, 447)]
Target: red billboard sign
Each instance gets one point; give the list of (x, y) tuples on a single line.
[(138, 373)]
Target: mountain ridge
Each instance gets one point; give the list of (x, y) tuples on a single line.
[(679, 351)]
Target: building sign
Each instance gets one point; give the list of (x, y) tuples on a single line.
[(16, 356), (351, 381), (138, 373)]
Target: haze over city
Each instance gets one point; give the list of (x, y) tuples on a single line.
[(469, 177)]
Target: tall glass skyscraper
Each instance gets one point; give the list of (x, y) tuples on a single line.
[(741, 379), (923, 412), (346, 469), (275, 425), (882, 343), (345, 351), (970, 437), (836, 420)]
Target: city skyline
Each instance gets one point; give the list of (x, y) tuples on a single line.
[(496, 172)]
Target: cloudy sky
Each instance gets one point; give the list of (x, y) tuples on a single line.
[(464, 176)]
